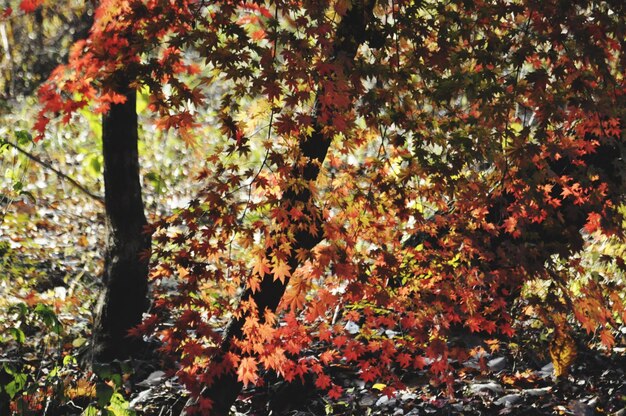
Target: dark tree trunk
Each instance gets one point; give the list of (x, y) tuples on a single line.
[(350, 34), (124, 300)]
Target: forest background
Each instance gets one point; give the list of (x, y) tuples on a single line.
[(458, 238)]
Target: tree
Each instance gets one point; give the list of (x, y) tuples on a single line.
[(124, 299), (108, 63), (125, 276), (424, 163)]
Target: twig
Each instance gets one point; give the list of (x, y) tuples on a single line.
[(60, 174)]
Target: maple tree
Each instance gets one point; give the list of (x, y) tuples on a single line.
[(423, 163)]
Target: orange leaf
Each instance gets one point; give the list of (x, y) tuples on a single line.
[(247, 371), (593, 222), (607, 338), (261, 267), (281, 270)]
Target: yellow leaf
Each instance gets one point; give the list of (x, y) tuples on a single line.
[(83, 388), (562, 351)]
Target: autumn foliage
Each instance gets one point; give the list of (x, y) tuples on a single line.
[(474, 149)]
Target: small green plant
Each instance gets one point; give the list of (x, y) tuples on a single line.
[(64, 388), (12, 152), (22, 384), (109, 391)]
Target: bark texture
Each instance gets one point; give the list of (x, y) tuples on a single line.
[(124, 299), (350, 34)]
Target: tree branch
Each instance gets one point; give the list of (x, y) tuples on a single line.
[(57, 172)]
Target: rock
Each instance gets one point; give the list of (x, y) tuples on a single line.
[(406, 396), (537, 392), (142, 397), (548, 368), (398, 412), (60, 293), (579, 408), (352, 328), (367, 400), (493, 387), (508, 400), (152, 380), (472, 363), (620, 412), (382, 401), (390, 334), (497, 364), (546, 371)]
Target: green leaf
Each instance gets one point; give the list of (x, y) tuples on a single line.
[(91, 411), (18, 335), (20, 308), (48, 316), (117, 379), (105, 372), (104, 392), (102, 370), (69, 359), (23, 137), (53, 373), (143, 99), (95, 122), (156, 180), (93, 164), (17, 385), (79, 342), (119, 406)]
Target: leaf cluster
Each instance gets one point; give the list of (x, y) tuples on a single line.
[(474, 149)]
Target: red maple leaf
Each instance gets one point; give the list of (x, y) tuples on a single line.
[(593, 222), (335, 392), (29, 6), (322, 381)]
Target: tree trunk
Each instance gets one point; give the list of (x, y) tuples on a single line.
[(350, 34), (124, 299)]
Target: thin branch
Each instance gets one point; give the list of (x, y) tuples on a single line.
[(60, 174)]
